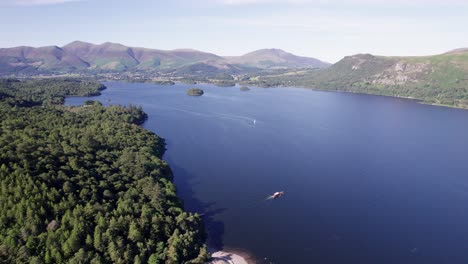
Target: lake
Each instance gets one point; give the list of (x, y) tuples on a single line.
[(367, 179)]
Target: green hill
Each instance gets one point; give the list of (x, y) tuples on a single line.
[(276, 58), (107, 56), (29, 59), (438, 79)]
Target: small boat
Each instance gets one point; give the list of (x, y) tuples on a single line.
[(277, 195)]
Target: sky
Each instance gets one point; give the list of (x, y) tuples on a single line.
[(323, 29)]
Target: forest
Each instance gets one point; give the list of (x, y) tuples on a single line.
[(47, 91), (86, 184)]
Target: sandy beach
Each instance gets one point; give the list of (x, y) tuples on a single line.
[(231, 257)]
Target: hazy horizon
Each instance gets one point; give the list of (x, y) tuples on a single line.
[(326, 30)]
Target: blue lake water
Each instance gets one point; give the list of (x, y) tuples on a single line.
[(367, 179)]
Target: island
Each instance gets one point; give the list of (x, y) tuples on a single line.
[(224, 83), (164, 82), (245, 88), (195, 92)]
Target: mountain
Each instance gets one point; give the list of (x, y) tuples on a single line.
[(83, 56), (112, 56), (44, 58), (276, 58), (447, 71), (457, 51), (438, 79), (109, 56)]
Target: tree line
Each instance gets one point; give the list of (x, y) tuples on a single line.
[(86, 184)]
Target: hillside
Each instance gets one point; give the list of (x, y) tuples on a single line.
[(81, 56), (438, 79), (28, 59), (276, 58)]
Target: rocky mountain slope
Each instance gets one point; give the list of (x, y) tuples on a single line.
[(438, 79)]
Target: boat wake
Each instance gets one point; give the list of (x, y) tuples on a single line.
[(239, 118)]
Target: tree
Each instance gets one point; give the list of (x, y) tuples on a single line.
[(85, 185)]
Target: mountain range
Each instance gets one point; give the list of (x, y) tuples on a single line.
[(83, 56), (437, 79)]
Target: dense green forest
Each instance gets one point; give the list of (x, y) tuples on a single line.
[(86, 184), (47, 91)]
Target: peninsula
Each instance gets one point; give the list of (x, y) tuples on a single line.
[(86, 184)]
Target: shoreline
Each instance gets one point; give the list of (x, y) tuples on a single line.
[(417, 100), (232, 256)]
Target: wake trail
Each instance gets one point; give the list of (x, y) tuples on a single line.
[(242, 119), (260, 202)]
